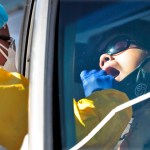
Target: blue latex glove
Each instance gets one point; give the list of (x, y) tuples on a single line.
[(3, 16), (97, 80)]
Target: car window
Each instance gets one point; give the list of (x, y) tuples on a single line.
[(81, 30)]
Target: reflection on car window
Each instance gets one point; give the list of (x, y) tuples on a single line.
[(103, 57)]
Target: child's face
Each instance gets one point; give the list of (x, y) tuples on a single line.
[(123, 63)]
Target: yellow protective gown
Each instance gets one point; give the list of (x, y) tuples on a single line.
[(88, 113), (91, 110), (13, 109)]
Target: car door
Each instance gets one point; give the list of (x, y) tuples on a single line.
[(56, 42), (36, 12)]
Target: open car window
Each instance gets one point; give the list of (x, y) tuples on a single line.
[(81, 29)]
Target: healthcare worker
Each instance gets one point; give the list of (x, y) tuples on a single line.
[(13, 92), (7, 44)]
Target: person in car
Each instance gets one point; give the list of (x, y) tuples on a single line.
[(125, 66), (13, 92)]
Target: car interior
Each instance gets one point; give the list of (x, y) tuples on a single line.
[(80, 35)]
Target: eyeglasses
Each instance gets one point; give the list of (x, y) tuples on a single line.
[(5, 38), (118, 45), (10, 40)]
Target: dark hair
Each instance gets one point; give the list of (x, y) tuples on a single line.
[(137, 30)]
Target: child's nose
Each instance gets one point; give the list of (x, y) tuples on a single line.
[(103, 59)]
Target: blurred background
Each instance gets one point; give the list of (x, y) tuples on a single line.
[(15, 9)]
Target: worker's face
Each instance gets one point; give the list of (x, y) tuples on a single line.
[(123, 63), (4, 31)]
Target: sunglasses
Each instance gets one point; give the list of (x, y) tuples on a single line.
[(118, 45), (10, 40), (5, 38)]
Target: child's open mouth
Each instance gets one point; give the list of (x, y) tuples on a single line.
[(112, 71)]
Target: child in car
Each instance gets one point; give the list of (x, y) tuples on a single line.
[(125, 66)]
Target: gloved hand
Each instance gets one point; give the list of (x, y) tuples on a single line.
[(97, 80)]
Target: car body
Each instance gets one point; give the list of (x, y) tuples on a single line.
[(51, 30)]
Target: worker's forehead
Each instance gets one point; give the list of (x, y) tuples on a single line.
[(4, 30)]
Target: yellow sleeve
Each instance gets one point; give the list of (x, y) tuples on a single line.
[(91, 110), (13, 109)]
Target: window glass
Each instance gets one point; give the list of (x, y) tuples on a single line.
[(85, 28)]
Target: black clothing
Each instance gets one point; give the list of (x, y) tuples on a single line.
[(136, 83)]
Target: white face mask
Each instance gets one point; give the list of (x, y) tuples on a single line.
[(10, 59)]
